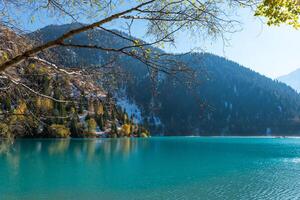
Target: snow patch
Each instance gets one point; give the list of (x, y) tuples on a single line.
[(130, 108)]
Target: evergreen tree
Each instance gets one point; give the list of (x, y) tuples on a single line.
[(106, 115), (46, 86), (99, 120), (75, 128), (81, 103), (6, 103), (113, 113), (114, 129)]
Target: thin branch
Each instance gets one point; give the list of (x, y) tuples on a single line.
[(15, 82), (56, 42)]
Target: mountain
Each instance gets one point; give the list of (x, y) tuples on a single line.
[(292, 79), (40, 99), (224, 98)]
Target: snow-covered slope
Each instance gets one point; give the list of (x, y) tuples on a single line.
[(130, 108)]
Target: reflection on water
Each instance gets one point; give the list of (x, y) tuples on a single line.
[(80, 150)]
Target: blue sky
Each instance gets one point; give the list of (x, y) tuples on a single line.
[(271, 51)]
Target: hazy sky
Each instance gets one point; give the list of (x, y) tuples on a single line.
[(272, 51)]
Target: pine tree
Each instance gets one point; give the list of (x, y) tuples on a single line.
[(105, 115), (81, 103), (75, 127), (7, 103), (46, 86), (114, 129), (113, 113), (100, 122)]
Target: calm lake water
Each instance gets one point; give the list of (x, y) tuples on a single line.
[(156, 168)]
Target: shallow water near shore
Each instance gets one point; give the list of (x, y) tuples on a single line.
[(155, 168)]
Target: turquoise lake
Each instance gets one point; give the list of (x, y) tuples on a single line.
[(157, 168)]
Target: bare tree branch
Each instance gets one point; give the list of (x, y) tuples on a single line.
[(17, 59)]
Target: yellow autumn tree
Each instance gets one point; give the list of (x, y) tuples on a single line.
[(44, 104), (280, 11), (21, 110), (21, 120), (60, 131), (100, 110), (3, 56), (91, 125), (91, 106), (126, 129)]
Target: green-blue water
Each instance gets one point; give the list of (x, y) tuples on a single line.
[(156, 168)]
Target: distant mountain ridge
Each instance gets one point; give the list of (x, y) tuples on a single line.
[(292, 79), (230, 99)]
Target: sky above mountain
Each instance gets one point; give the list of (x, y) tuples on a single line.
[(271, 51)]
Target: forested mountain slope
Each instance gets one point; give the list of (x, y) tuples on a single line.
[(41, 99), (225, 98)]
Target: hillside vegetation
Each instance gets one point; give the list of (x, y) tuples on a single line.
[(40, 99)]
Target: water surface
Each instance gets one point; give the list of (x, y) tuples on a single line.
[(156, 168)]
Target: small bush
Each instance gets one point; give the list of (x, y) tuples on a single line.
[(144, 135), (59, 131)]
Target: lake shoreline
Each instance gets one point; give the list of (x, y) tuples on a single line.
[(160, 137)]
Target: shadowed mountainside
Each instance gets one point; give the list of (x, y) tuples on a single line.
[(224, 99)]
